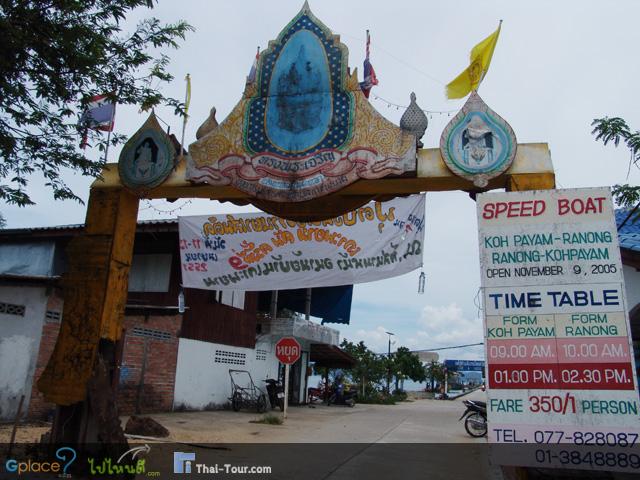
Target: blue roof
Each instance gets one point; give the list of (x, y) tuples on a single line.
[(632, 225), (629, 234), (630, 241)]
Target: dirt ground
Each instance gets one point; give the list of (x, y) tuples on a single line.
[(26, 432)]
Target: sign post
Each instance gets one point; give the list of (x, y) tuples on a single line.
[(287, 352), (560, 368)]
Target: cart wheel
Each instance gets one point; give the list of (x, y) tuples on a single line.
[(261, 404), (236, 401)]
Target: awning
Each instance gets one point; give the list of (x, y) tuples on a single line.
[(330, 356), (331, 304)]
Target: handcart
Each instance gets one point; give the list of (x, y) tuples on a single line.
[(245, 393)]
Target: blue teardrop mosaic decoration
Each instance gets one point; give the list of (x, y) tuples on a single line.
[(478, 144), (300, 105)]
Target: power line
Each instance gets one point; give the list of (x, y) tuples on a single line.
[(448, 348), (439, 348)]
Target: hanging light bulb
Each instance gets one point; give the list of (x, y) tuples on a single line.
[(421, 281)]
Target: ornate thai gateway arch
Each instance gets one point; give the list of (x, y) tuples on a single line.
[(302, 143)]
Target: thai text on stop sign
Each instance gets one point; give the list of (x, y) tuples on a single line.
[(288, 353)]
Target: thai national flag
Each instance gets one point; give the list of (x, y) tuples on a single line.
[(254, 68), (99, 114), (370, 78)]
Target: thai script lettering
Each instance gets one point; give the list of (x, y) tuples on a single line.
[(106, 467)]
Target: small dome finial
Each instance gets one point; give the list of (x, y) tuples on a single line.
[(414, 120)]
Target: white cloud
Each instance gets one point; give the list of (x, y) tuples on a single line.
[(445, 326), (376, 339), (433, 327)]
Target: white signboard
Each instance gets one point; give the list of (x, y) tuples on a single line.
[(560, 366), (258, 251)]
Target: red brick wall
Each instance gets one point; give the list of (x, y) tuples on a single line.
[(156, 393), (38, 408)]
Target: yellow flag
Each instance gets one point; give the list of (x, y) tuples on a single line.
[(479, 61)]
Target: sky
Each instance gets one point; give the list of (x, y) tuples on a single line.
[(556, 67)]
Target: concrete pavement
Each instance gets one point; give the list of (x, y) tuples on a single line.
[(420, 421), (419, 439)]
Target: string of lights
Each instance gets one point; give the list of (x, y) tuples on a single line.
[(398, 107), (151, 206)]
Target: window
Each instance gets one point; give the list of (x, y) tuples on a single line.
[(52, 316), (11, 309), (150, 333), (233, 298), (261, 354), (150, 273), (27, 258), (229, 357)]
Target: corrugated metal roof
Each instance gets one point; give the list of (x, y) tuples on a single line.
[(77, 226), (629, 234), (630, 241), (631, 226)]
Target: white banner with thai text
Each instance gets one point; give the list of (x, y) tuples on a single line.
[(258, 251)]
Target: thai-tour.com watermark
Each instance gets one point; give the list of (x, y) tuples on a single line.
[(185, 463)]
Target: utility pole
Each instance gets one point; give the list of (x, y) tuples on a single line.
[(389, 362)]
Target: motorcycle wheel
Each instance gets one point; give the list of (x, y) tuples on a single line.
[(331, 399), (281, 404), (475, 425), (236, 401)]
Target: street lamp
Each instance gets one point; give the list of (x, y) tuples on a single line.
[(389, 362)]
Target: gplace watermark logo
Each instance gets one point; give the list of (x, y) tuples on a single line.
[(67, 455), (184, 462)]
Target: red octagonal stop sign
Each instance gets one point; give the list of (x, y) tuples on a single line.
[(288, 350)]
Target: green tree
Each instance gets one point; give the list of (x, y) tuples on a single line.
[(435, 373), (369, 370), (617, 130), (3, 222), (406, 364), (54, 56)]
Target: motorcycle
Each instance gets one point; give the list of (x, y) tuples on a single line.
[(475, 418), (342, 395), (275, 390), (319, 393)]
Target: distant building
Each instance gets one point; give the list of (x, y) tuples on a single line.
[(427, 357)]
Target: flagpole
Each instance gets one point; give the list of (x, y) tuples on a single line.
[(187, 101)]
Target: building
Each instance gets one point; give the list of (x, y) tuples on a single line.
[(629, 237), (166, 360)]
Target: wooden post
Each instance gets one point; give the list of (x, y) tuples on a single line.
[(95, 293)]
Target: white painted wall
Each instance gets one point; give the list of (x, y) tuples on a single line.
[(632, 285), (201, 382), (19, 344)]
